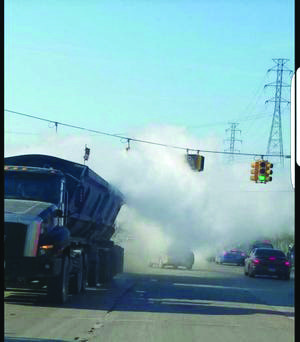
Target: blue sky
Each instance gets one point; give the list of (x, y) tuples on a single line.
[(119, 66), (170, 71)]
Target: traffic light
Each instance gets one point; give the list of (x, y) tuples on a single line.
[(195, 161), (262, 171), (268, 171), (254, 171), (199, 163)]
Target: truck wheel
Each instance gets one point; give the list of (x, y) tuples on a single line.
[(76, 281), (106, 266), (58, 286), (92, 274), (84, 274)]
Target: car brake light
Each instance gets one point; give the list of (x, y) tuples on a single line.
[(255, 261), (287, 263), (272, 258)]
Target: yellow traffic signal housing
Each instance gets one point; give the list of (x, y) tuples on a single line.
[(195, 161), (262, 171), (269, 166), (254, 171)]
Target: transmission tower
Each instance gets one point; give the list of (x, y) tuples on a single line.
[(275, 143), (232, 140)]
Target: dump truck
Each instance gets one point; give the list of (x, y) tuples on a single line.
[(59, 220)]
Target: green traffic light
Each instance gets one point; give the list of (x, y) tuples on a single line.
[(262, 177)]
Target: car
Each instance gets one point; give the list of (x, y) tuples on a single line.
[(175, 258), (260, 244), (232, 256), (267, 261)]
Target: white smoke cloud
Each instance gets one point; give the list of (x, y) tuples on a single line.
[(166, 202)]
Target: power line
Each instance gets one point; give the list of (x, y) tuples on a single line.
[(256, 97), (129, 139)]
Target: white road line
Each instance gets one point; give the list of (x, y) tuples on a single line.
[(203, 302), (214, 286)]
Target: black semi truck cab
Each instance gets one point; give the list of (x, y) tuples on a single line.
[(59, 220)]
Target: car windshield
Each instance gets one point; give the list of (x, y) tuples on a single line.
[(263, 245), (32, 186), (269, 252)]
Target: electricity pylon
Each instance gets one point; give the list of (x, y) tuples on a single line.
[(232, 140), (275, 143)]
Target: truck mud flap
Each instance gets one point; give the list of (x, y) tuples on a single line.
[(58, 287)]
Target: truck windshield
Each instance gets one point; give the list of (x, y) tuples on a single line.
[(32, 186)]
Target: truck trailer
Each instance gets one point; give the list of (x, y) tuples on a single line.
[(59, 221)]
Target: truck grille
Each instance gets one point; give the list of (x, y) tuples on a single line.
[(14, 239)]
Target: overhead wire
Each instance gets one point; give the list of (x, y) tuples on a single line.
[(257, 98), (257, 95), (130, 139)]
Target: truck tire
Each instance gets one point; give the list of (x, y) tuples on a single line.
[(85, 273), (118, 259), (58, 287), (76, 281), (106, 266), (92, 274)]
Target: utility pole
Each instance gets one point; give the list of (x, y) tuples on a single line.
[(275, 143), (232, 140)]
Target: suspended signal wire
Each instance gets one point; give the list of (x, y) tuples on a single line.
[(247, 128), (256, 95), (129, 139), (248, 118)]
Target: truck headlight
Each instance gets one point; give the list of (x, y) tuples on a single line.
[(45, 249)]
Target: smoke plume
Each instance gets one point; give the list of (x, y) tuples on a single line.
[(168, 203)]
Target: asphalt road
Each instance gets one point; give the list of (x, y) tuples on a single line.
[(212, 303)]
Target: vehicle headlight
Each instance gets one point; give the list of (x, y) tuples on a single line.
[(46, 249)]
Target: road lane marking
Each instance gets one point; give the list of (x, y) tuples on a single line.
[(214, 286), (222, 303)]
